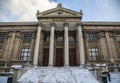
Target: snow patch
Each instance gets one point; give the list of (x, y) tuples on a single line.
[(57, 75), (115, 78), (16, 66), (3, 79)]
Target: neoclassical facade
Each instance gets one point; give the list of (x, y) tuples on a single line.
[(59, 38)]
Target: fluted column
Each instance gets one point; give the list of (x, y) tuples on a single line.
[(36, 50), (51, 47), (66, 46), (81, 45)]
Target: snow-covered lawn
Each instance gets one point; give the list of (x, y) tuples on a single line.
[(3, 79), (115, 78), (57, 75)]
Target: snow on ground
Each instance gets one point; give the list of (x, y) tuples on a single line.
[(3, 79), (115, 78), (57, 75), (16, 66)]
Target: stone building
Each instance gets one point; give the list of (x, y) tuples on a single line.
[(59, 38)]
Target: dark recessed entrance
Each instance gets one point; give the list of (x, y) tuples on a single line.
[(45, 56), (59, 57), (72, 57)]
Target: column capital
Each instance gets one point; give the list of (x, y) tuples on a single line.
[(40, 24), (52, 24), (66, 24), (9, 34), (18, 34), (79, 24)]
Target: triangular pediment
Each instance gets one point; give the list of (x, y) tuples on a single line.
[(59, 11)]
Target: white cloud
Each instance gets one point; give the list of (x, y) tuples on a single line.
[(25, 10)]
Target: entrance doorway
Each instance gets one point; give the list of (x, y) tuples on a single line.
[(45, 56), (59, 57), (72, 57)]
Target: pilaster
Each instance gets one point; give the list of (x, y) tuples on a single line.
[(16, 46), (110, 45)]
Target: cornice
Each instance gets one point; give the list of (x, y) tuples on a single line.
[(18, 23), (101, 23)]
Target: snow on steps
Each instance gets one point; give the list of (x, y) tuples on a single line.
[(57, 75)]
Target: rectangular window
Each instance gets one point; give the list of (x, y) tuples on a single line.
[(0, 51), (92, 37), (71, 38), (93, 53), (46, 38), (118, 37), (60, 38), (2, 36), (25, 54), (27, 38)]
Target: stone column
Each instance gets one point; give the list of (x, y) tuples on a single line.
[(66, 46), (51, 47), (11, 45), (81, 45), (36, 50)]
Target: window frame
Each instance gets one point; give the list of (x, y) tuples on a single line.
[(60, 38), (94, 53), (71, 39), (1, 51), (92, 37), (25, 54), (2, 37), (117, 36), (27, 38)]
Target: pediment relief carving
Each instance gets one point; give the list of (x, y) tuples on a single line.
[(59, 11)]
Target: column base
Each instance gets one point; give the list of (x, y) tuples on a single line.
[(82, 65), (66, 66), (35, 66), (50, 66)]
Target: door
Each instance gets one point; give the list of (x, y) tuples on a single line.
[(45, 56), (59, 57), (72, 57)]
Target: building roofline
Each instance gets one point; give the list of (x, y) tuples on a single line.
[(83, 23), (18, 23), (100, 23)]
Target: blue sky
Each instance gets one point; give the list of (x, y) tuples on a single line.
[(93, 10)]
